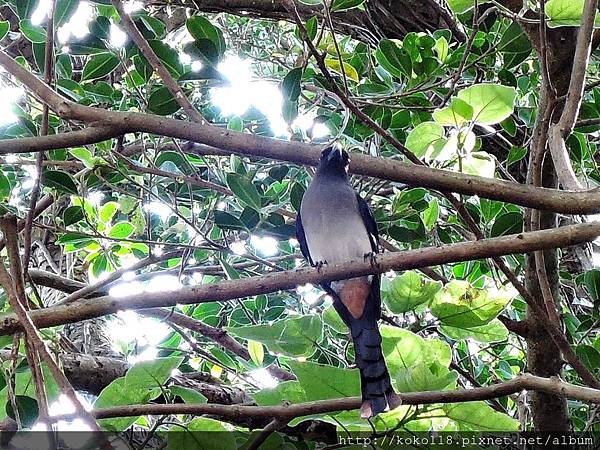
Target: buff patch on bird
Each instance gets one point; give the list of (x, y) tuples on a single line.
[(354, 294)]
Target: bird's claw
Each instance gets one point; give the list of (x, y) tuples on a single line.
[(319, 265), (372, 257)]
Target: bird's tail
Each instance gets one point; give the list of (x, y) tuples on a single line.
[(377, 390)]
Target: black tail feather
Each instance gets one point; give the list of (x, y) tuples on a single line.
[(376, 388), (375, 381)]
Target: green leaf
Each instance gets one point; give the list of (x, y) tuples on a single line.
[(257, 352), (224, 220), (396, 60), (64, 11), (490, 103), (565, 13), (589, 355), (59, 180), (25, 8), (99, 66), (99, 265), (188, 395), (462, 306), (168, 56), (345, 5), (121, 230), (200, 28), (424, 138), (107, 211), (73, 214), (84, 155), (516, 154), (479, 417), (4, 28), (479, 163), (161, 102), (156, 26), (348, 70), (141, 383), (441, 48), (115, 394), (333, 319), (64, 67), (143, 67), (244, 190), (28, 410), (295, 336), (74, 238), (290, 85), (322, 382), (462, 108), (461, 6), (4, 187), (34, 33), (288, 391), (494, 331), (236, 123), (312, 26), (404, 351), (202, 433), (407, 291), (509, 223), (431, 214), (591, 279), (515, 46), (425, 376)]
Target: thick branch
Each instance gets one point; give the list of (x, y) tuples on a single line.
[(533, 197), (560, 131), (580, 64), (245, 287)]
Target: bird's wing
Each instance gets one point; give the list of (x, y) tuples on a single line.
[(370, 223), (302, 239)]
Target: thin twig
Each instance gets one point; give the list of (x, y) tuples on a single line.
[(35, 192), (157, 65)]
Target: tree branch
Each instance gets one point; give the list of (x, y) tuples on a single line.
[(17, 300), (246, 287), (288, 412), (560, 131), (585, 202)]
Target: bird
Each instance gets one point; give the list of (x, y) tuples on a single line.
[(335, 225)]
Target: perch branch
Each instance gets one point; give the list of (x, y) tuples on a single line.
[(245, 287)]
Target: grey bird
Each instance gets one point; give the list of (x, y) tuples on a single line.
[(336, 225)]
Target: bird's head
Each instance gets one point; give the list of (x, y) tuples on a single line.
[(334, 161)]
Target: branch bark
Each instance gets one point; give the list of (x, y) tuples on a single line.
[(559, 132)]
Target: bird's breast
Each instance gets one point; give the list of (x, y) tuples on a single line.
[(333, 226)]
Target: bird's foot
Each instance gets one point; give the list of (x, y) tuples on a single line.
[(319, 265), (365, 410), (372, 257)]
